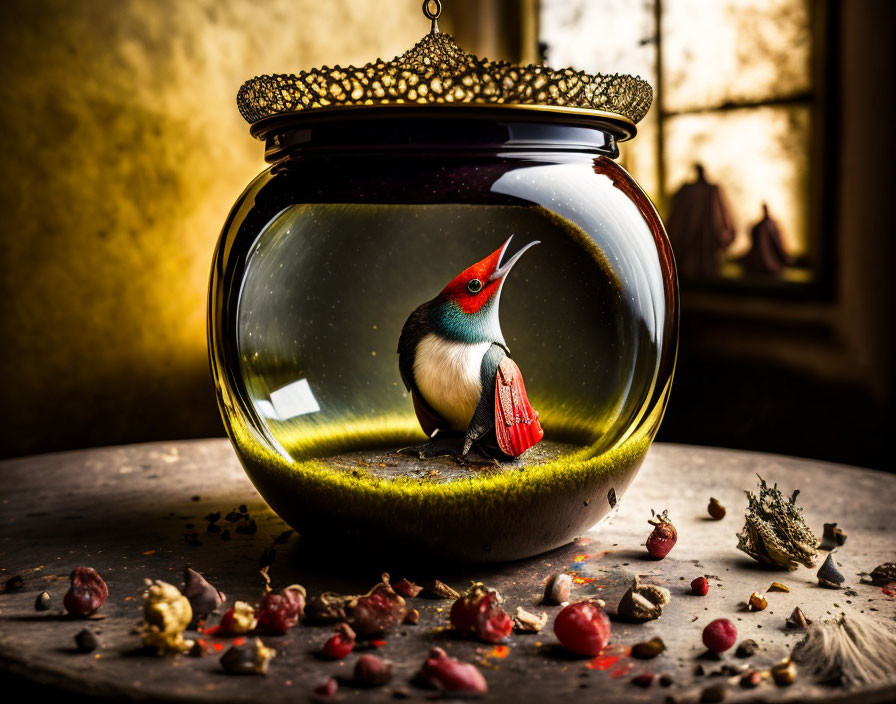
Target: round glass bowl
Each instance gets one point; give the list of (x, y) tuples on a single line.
[(366, 214)]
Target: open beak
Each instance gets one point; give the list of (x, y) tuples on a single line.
[(504, 268)]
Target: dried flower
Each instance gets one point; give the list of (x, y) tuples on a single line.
[(87, 592), (775, 532), (86, 641), (757, 602), (251, 658), (166, 615), (784, 673), (377, 611), (832, 536), (715, 509), (645, 650), (643, 602), (884, 574), (440, 590), (828, 574), (527, 622), (558, 589), (478, 612), (406, 588), (203, 597), (371, 671), (778, 587)]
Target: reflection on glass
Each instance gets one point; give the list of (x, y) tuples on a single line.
[(725, 51)]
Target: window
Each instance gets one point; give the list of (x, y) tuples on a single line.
[(739, 93)]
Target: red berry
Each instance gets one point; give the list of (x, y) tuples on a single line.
[(719, 635), (341, 644), (663, 537), (452, 675), (280, 612), (479, 612), (583, 628), (87, 592), (700, 586)]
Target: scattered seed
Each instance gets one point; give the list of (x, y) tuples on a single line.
[(757, 602), (412, 617), (328, 689), (665, 680), (611, 497), (203, 597), (747, 648), (558, 589), (751, 679), (778, 587), (643, 602), (372, 671), (213, 517), (645, 679), (247, 528), (440, 590), (884, 574), (13, 584), (86, 641), (86, 594), (798, 619), (42, 603), (832, 537), (244, 508), (784, 673), (700, 586), (828, 574), (715, 509), (648, 649), (284, 537), (199, 649)]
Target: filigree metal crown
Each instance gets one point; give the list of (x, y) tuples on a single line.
[(437, 71)]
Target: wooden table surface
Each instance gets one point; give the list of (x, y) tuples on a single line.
[(124, 511)]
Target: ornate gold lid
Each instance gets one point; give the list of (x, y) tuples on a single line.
[(436, 71)]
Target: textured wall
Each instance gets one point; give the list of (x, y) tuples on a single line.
[(122, 151)]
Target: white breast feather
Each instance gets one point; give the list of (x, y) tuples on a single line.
[(447, 374)]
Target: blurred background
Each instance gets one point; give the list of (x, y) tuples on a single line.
[(768, 152)]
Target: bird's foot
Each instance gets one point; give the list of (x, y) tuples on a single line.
[(451, 446)]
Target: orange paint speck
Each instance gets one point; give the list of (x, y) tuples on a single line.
[(602, 662), (583, 541), (129, 598), (889, 590), (583, 580), (621, 670), (218, 646), (149, 552), (377, 643), (499, 651), (239, 641), (580, 558)]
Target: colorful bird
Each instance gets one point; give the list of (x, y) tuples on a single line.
[(466, 389)]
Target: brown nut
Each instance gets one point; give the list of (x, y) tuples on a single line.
[(757, 602), (558, 589), (715, 509), (86, 594)]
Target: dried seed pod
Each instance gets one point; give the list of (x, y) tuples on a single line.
[(440, 590), (42, 603), (451, 675), (478, 612), (663, 537), (715, 509), (645, 650), (778, 587), (558, 589), (377, 611), (203, 597), (798, 619), (884, 574), (406, 588), (828, 574), (251, 658), (643, 602), (86, 641), (757, 602), (775, 532), (371, 671), (327, 607), (747, 648), (166, 614), (238, 619), (280, 612), (784, 673), (527, 622), (87, 592), (832, 536)]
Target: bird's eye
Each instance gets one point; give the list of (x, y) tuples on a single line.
[(474, 286)]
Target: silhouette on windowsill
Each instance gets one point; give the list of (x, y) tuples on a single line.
[(767, 255)]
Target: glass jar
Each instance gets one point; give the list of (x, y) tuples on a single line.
[(363, 215)]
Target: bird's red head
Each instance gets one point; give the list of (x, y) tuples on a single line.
[(478, 284)]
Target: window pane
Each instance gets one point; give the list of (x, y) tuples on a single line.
[(720, 51), (756, 156)]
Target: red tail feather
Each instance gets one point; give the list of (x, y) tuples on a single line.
[(516, 422)]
